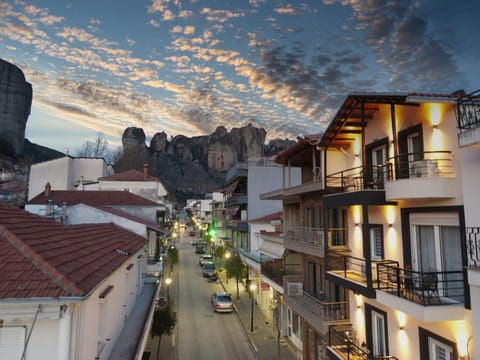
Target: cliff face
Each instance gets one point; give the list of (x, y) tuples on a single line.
[(15, 106), (191, 167)]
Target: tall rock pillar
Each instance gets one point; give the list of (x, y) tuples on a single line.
[(15, 106)]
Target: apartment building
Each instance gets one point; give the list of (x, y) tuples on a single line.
[(392, 190)]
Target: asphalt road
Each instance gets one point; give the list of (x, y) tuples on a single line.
[(200, 332)]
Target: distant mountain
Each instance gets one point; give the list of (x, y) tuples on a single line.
[(191, 167)]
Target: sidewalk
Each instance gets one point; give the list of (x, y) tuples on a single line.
[(264, 338)]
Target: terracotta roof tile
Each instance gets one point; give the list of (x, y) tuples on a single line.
[(93, 198), (42, 258), (269, 217)]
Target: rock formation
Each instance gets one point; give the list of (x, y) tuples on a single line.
[(15, 106), (192, 167)]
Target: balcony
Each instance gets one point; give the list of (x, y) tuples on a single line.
[(272, 269), (473, 246), (318, 313), (352, 272), (468, 120), (422, 295), (429, 176), (342, 344), (307, 240)]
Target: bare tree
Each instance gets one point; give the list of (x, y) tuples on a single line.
[(98, 148)]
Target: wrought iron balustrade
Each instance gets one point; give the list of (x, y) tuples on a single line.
[(425, 288), (473, 246), (306, 235), (468, 111)]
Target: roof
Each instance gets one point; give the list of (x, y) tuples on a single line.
[(359, 108), (300, 152), (267, 218), (40, 257), (93, 198), (125, 215), (129, 175)]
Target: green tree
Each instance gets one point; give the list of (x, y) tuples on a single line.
[(163, 323), (172, 255), (235, 269), (220, 252)]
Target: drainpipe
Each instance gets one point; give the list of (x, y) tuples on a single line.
[(30, 332)]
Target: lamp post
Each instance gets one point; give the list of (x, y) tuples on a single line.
[(168, 281), (253, 287), (227, 256)]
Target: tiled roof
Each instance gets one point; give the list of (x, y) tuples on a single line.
[(128, 216), (40, 257), (93, 198), (129, 175), (270, 217), (295, 153)]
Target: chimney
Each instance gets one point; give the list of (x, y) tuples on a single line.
[(145, 171), (48, 188)]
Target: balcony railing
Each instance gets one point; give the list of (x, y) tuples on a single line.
[(306, 235), (311, 306), (345, 346), (473, 246), (468, 111), (273, 269), (425, 288), (427, 164)]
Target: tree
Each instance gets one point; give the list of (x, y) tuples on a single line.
[(220, 252), (172, 255), (163, 323), (236, 268), (98, 148)]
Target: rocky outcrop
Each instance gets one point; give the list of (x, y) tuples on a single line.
[(15, 106), (192, 167)]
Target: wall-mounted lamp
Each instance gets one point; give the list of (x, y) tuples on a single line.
[(357, 224), (435, 126), (390, 225), (401, 327)]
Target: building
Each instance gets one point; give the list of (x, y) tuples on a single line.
[(386, 230), (126, 209), (68, 291), (66, 173)]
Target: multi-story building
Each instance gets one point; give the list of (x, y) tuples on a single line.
[(383, 228), (312, 303)]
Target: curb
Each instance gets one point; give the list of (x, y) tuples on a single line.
[(250, 340)]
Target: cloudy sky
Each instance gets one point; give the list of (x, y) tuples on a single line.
[(188, 66)]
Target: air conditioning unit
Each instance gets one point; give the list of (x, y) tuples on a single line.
[(294, 289)]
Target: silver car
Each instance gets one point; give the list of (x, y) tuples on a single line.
[(222, 302)]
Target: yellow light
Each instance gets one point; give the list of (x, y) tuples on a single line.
[(462, 338), (358, 300), (253, 287), (435, 114), (168, 281), (390, 214), (356, 147), (356, 214), (402, 320)]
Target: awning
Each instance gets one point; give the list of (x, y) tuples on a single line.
[(271, 249)]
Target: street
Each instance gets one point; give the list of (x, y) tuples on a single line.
[(200, 332)]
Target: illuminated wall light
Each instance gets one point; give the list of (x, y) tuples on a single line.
[(435, 115), (358, 300), (390, 225), (402, 319)]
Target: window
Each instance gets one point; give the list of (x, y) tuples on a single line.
[(378, 334), (294, 327), (376, 241), (435, 347), (410, 148), (376, 330), (436, 247), (336, 227), (376, 156)]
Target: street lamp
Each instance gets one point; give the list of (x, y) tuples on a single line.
[(253, 287), (227, 256), (168, 281)]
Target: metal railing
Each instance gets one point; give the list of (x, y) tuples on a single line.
[(468, 111), (473, 246), (273, 269), (326, 310), (427, 164), (425, 288), (306, 235), (345, 344)]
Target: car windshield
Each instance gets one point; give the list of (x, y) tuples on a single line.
[(224, 298), (209, 266)]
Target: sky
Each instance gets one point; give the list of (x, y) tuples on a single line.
[(185, 67)]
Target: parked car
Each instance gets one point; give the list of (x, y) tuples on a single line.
[(208, 268), (222, 302), (199, 249), (191, 233), (203, 258)]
